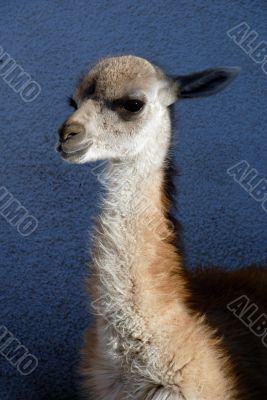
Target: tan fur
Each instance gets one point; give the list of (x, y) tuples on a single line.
[(184, 344), (114, 75), (160, 332)]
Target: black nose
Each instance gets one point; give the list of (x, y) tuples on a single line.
[(70, 130)]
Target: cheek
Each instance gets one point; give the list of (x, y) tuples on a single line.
[(111, 130), (97, 127), (108, 124)]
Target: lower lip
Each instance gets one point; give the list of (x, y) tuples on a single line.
[(78, 153)]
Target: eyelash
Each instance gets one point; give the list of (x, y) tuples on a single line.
[(72, 103)]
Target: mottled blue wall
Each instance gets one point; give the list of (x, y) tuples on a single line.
[(43, 302)]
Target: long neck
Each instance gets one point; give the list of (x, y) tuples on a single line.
[(137, 266)]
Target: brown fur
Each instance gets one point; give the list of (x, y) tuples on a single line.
[(173, 337), (203, 339), (211, 290), (161, 287), (114, 74)]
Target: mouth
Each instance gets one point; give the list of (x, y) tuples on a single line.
[(73, 155)]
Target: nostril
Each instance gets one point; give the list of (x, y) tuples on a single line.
[(71, 134), (69, 131)]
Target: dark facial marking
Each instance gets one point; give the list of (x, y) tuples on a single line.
[(127, 108), (72, 103), (90, 90)]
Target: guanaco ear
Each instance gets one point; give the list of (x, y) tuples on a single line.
[(205, 83)]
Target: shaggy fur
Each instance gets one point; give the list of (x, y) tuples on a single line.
[(160, 332)]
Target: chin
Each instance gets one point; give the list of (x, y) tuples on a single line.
[(76, 157), (72, 159)]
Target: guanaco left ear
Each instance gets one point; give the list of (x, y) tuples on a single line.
[(205, 83)]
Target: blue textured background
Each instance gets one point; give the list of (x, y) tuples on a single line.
[(43, 302)]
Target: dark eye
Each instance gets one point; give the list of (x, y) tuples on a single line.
[(73, 103), (133, 105), (90, 90)]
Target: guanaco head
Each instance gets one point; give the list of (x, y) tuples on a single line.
[(122, 104)]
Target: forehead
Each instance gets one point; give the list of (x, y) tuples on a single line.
[(117, 76)]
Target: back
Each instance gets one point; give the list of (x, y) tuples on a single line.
[(235, 304)]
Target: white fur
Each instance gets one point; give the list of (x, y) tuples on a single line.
[(136, 355)]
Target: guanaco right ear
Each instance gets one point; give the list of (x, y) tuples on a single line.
[(205, 83)]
